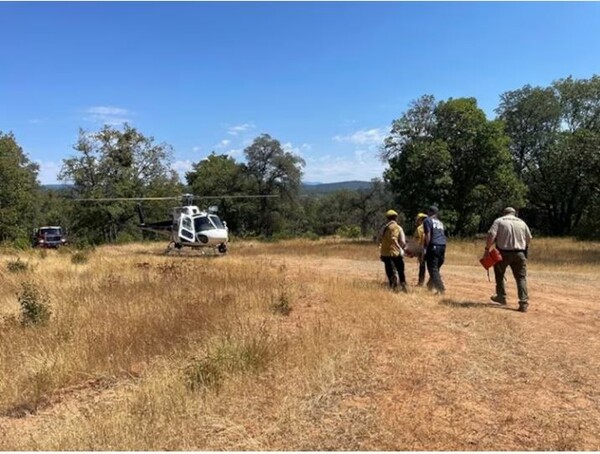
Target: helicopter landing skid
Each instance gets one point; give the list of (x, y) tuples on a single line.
[(179, 249)]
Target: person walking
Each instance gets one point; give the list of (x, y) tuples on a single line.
[(435, 249), (511, 236), (420, 240), (392, 242)]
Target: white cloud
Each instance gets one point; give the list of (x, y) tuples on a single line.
[(48, 173), (223, 143), (196, 149), (181, 167), (235, 130), (297, 150), (361, 165), (108, 115), (364, 137), (234, 153)]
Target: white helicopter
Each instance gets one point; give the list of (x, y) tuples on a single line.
[(189, 226)]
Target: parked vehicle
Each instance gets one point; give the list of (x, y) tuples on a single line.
[(49, 237)]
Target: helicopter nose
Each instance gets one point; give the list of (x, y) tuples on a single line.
[(221, 234)]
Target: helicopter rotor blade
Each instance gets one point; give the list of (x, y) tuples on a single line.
[(126, 199), (235, 196), (188, 196)]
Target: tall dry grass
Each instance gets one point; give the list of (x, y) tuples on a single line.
[(145, 351), (544, 252)]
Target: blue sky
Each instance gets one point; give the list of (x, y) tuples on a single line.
[(326, 79)]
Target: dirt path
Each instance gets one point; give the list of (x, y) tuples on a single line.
[(566, 297), (547, 396)]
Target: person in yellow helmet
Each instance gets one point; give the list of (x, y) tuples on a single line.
[(420, 239), (391, 247)]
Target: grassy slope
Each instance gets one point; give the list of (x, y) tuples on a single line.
[(146, 351)]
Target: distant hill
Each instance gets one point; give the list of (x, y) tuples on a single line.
[(308, 188), (56, 187), (326, 188)]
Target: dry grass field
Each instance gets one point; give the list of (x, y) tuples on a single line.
[(295, 345)]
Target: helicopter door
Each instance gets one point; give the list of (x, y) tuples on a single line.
[(186, 229)]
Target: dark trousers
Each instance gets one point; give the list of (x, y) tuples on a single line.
[(422, 268), (518, 264), (396, 263), (434, 257)]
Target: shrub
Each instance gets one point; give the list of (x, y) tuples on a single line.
[(203, 373), (21, 244), (251, 353), (125, 237), (311, 236), (279, 236), (35, 308), (79, 257), (281, 303), (348, 231), (17, 266), (82, 244)]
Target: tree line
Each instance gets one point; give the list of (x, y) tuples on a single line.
[(541, 154)]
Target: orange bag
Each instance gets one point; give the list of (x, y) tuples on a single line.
[(490, 259)]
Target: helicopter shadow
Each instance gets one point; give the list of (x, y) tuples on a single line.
[(179, 254), (473, 304)]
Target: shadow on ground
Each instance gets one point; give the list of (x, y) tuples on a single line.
[(473, 304), (188, 254)]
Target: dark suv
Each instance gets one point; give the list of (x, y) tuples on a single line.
[(49, 237)]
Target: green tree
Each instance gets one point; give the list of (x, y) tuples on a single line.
[(221, 175), (451, 155), (555, 142), (336, 210), (370, 204), (346, 210), (116, 163), (54, 209), (19, 189), (273, 171), (531, 116)]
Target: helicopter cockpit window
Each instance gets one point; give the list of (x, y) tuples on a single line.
[(186, 223), (202, 223), (217, 222)]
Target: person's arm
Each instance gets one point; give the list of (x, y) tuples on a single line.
[(401, 239), (489, 242), (491, 236), (528, 238), (426, 233)]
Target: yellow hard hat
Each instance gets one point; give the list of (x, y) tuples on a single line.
[(389, 213), (421, 215)]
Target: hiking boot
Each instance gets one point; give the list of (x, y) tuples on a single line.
[(496, 299), (523, 307)]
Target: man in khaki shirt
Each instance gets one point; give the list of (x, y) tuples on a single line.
[(391, 246), (511, 236)]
